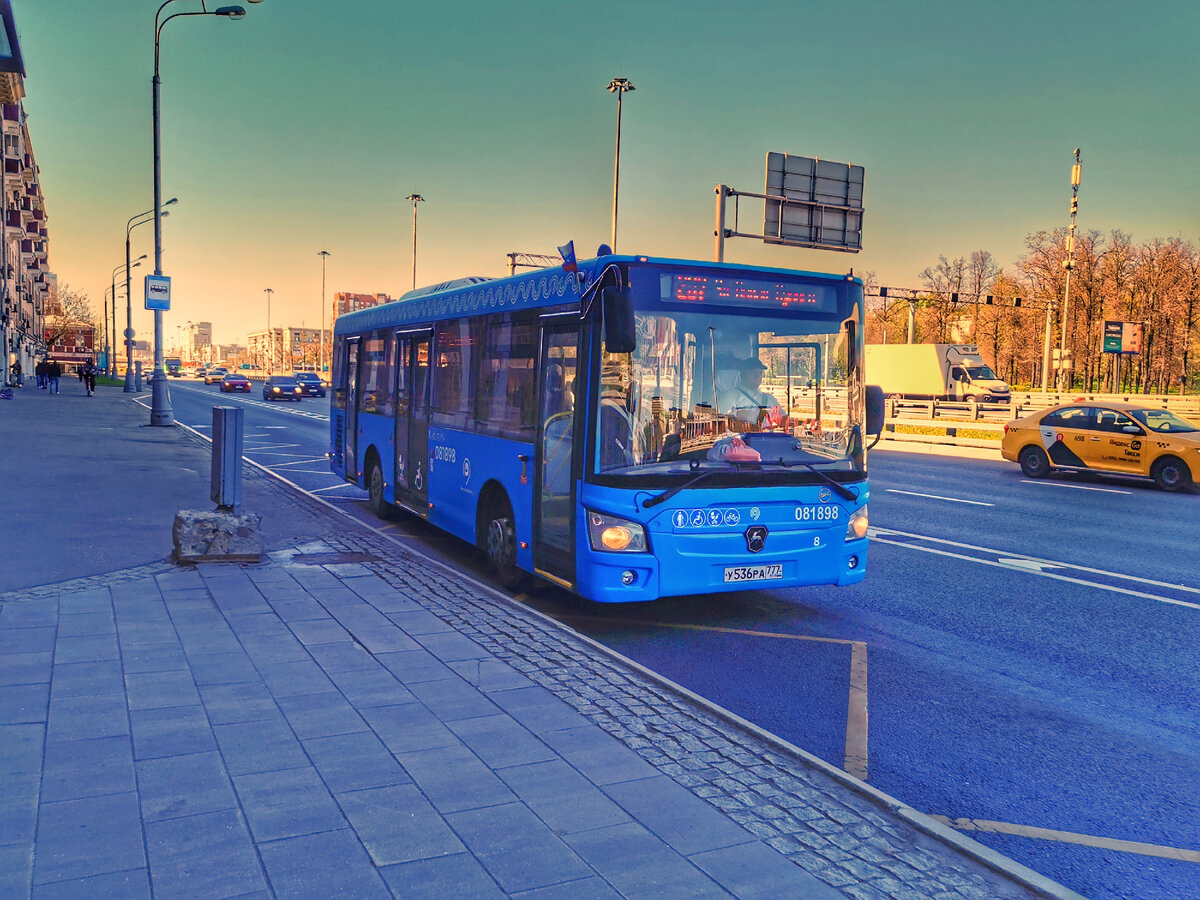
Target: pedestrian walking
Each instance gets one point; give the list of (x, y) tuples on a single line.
[(39, 369), (89, 377), (16, 370), (53, 373)]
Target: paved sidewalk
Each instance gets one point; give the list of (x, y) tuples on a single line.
[(349, 720)]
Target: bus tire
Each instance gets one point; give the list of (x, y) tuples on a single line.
[(1034, 462), (498, 540), (1171, 473), (375, 487)]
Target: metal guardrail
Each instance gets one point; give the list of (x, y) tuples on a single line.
[(1023, 404)]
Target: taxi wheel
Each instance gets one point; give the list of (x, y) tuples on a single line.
[(1171, 474), (1034, 462)]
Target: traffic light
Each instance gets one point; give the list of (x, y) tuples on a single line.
[(988, 300), (883, 292), (1017, 303), (954, 296)]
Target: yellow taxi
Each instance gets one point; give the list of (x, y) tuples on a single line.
[(1101, 436)]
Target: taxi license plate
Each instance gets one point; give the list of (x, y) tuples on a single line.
[(753, 573)]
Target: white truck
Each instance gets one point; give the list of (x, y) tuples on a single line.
[(934, 372)]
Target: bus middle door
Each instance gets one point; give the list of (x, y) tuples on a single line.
[(350, 432), (554, 468)]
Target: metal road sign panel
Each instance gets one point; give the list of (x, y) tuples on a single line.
[(1131, 337), (813, 203), (1112, 336), (158, 292)]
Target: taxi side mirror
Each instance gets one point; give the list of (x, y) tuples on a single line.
[(1131, 429)]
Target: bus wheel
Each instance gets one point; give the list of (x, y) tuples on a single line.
[(1171, 474), (377, 502), (501, 546)]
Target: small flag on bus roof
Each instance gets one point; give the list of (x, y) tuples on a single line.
[(567, 252)]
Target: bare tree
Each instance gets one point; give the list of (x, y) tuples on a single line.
[(66, 308)]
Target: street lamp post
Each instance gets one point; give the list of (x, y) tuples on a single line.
[(1065, 372), (617, 86), (321, 334), (415, 198), (270, 335), (129, 226), (160, 403), (127, 265)]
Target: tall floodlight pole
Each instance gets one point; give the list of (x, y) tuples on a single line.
[(321, 334), (1068, 264), (270, 334), (127, 265), (415, 198), (160, 403), (129, 332), (617, 86)]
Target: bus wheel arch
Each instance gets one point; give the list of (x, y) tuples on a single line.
[(496, 535)]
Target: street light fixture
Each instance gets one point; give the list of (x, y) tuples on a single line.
[(415, 198), (160, 403), (618, 86), (324, 254)]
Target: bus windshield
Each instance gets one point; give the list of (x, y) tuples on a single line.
[(738, 391)]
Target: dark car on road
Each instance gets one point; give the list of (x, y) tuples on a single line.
[(311, 382), (282, 387), (234, 382)]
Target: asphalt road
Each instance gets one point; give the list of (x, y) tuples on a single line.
[(1022, 655)]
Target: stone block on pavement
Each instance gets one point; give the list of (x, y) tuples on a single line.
[(202, 535)]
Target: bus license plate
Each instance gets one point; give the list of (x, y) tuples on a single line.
[(753, 573)]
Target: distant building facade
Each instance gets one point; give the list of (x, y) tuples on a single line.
[(347, 303)]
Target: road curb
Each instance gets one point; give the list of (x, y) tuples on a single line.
[(957, 842)]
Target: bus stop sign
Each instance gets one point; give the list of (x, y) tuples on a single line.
[(158, 292)]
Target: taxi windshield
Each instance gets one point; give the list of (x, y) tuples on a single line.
[(1163, 421)]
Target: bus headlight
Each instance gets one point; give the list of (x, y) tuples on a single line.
[(857, 526), (615, 535)]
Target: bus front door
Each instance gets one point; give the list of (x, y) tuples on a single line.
[(554, 469), (412, 420), (350, 432)]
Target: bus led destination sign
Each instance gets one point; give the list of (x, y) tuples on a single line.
[(757, 292)]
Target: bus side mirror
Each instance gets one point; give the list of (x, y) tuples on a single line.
[(620, 334), (875, 409)]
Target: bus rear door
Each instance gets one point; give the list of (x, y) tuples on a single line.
[(554, 469)]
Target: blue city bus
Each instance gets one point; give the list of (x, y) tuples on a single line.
[(642, 428)]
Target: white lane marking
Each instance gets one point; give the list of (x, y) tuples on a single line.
[(936, 497), (1071, 837), (272, 446), (1048, 562), (1077, 487), (303, 471), (334, 487), (300, 462), (1080, 581), (1027, 565)]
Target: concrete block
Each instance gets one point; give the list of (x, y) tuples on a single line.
[(210, 535)]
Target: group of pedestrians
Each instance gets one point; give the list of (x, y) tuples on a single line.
[(49, 371)]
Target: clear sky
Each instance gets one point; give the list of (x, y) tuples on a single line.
[(305, 125)]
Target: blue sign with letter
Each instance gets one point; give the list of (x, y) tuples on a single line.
[(158, 292)]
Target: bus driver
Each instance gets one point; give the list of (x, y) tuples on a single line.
[(746, 402)]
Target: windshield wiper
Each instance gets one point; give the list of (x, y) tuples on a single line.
[(838, 488), (668, 494)]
